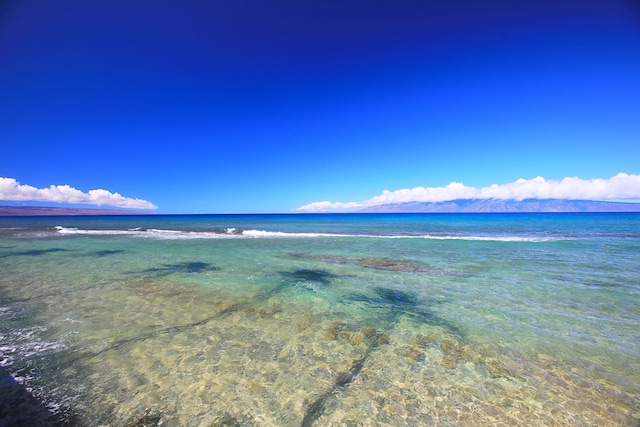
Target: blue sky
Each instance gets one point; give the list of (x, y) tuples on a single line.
[(267, 106)]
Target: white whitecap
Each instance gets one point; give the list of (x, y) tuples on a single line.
[(232, 233)]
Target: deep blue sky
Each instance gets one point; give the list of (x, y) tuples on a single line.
[(263, 106)]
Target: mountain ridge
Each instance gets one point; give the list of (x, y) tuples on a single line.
[(505, 206)]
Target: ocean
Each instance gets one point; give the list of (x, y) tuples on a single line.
[(321, 320)]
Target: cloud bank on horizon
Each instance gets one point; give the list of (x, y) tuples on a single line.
[(12, 190), (619, 187)]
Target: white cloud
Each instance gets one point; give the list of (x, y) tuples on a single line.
[(10, 189), (620, 187)]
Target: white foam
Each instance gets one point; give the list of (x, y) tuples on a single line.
[(276, 234), (23, 344), (491, 238), (261, 233), (279, 234), (64, 230), (264, 234), (179, 234)]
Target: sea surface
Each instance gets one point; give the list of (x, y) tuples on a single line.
[(321, 320)]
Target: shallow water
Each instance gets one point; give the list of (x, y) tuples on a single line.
[(299, 320)]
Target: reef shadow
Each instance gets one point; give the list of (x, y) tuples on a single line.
[(35, 252), (109, 252), (182, 267), (403, 303), (306, 275)]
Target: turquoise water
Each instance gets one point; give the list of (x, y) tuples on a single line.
[(299, 320)]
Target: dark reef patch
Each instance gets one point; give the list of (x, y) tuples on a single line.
[(36, 252), (387, 297), (109, 252), (601, 284), (393, 265), (395, 297), (387, 264), (191, 267), (336, 259), (182, 267), (306, 275)]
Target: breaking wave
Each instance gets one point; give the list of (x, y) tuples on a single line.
[(229, 233)]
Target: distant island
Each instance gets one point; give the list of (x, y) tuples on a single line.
[(453, 206), (58, 211), (505, 206)]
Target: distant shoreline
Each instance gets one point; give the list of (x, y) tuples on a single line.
[(453, 206)]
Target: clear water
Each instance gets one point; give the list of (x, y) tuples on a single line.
[(299, 320)]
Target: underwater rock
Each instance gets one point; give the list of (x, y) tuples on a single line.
[(447, 346), (469, 353), (226, 420), (422, 340), (264, 310), (393, 265), (449, 354), (496, 368), (374, 336), (367, 335), (357, 338), (415, 349), (449, 360), (387, 264), (304, 323), (333, 331), (336, 259), (149, 418), (412, 352)]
